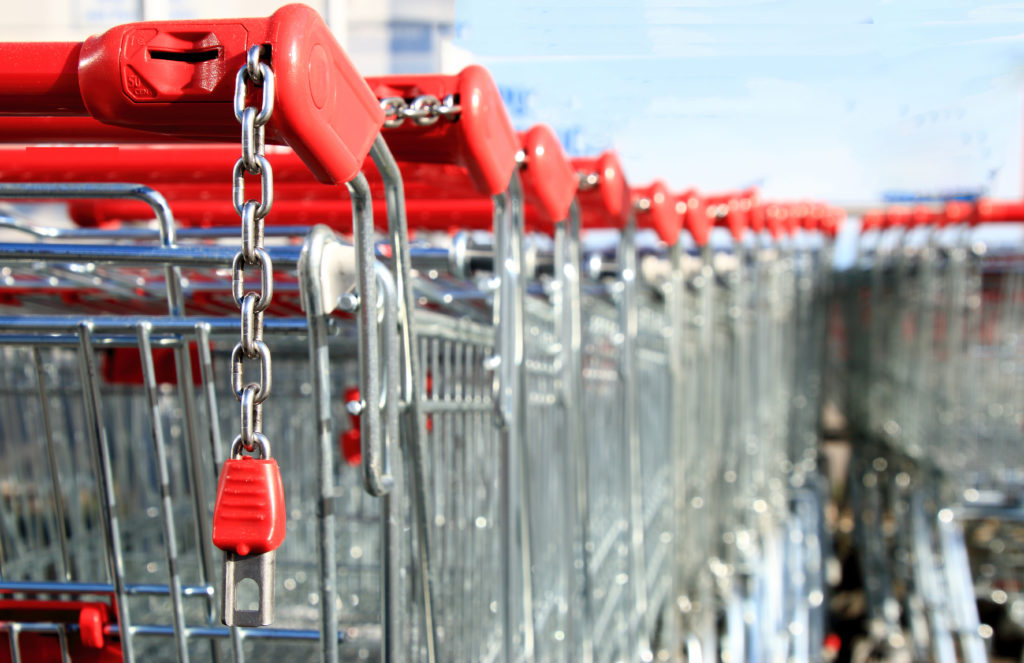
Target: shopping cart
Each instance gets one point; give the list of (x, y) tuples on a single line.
[(942, 290), (115, 302), (763, 291), (658, 375), (499, 439), (605, 203), (695, 523)]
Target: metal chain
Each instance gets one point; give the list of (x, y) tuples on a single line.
[(424, 110), (252, 303)]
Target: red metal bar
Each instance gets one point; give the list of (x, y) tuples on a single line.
[(41, 78)]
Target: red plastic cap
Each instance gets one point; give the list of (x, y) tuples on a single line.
[(896, 216), (798, 213), (481, 139), (92, 619), (331, 117), (605, 203), (249, 514), (872, 219), (833, 221), (695, 219), (815, 220), (730, 211), (178, 78), (776, 218), (958, 211), (660, 211), (549, 180), (922, 215), (756, 218)]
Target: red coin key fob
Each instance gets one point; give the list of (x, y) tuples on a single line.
[(249, 525)]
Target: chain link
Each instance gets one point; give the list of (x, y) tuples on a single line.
[(252, 213), (424, 110)]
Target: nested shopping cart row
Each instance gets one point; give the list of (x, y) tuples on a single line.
[(500, 435), (932, 319)]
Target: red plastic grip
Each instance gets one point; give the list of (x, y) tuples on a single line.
[(661, 215), (178, 78), (481, 139), (958, 211), (897, 216), (607, 203), (249, 514), (833, 222), (736, 206), (872, 219), (549, 180), (776, 219), (1000, 211), (695, 218), (756, 218), (922, 215), (812, 220)]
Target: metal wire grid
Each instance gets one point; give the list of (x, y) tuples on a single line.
[(463, 466), (35, 496), (549, 489), (463, 472), (608, 509), (654, 394)]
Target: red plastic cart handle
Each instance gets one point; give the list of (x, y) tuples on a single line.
[(755, 218), (191, 178), (1000, 211), (897, 216), (549, 181), (730, 210), (695, 218), (834, 221), (657, 210), (178, 78), (804, 217), (872, 219), (481, 139), (922, 215), (603, 194), (958, 211), (776, 219)]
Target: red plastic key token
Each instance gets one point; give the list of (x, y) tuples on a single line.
[(249, 515)]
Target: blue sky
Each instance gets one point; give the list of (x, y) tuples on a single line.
[(843, 101)]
